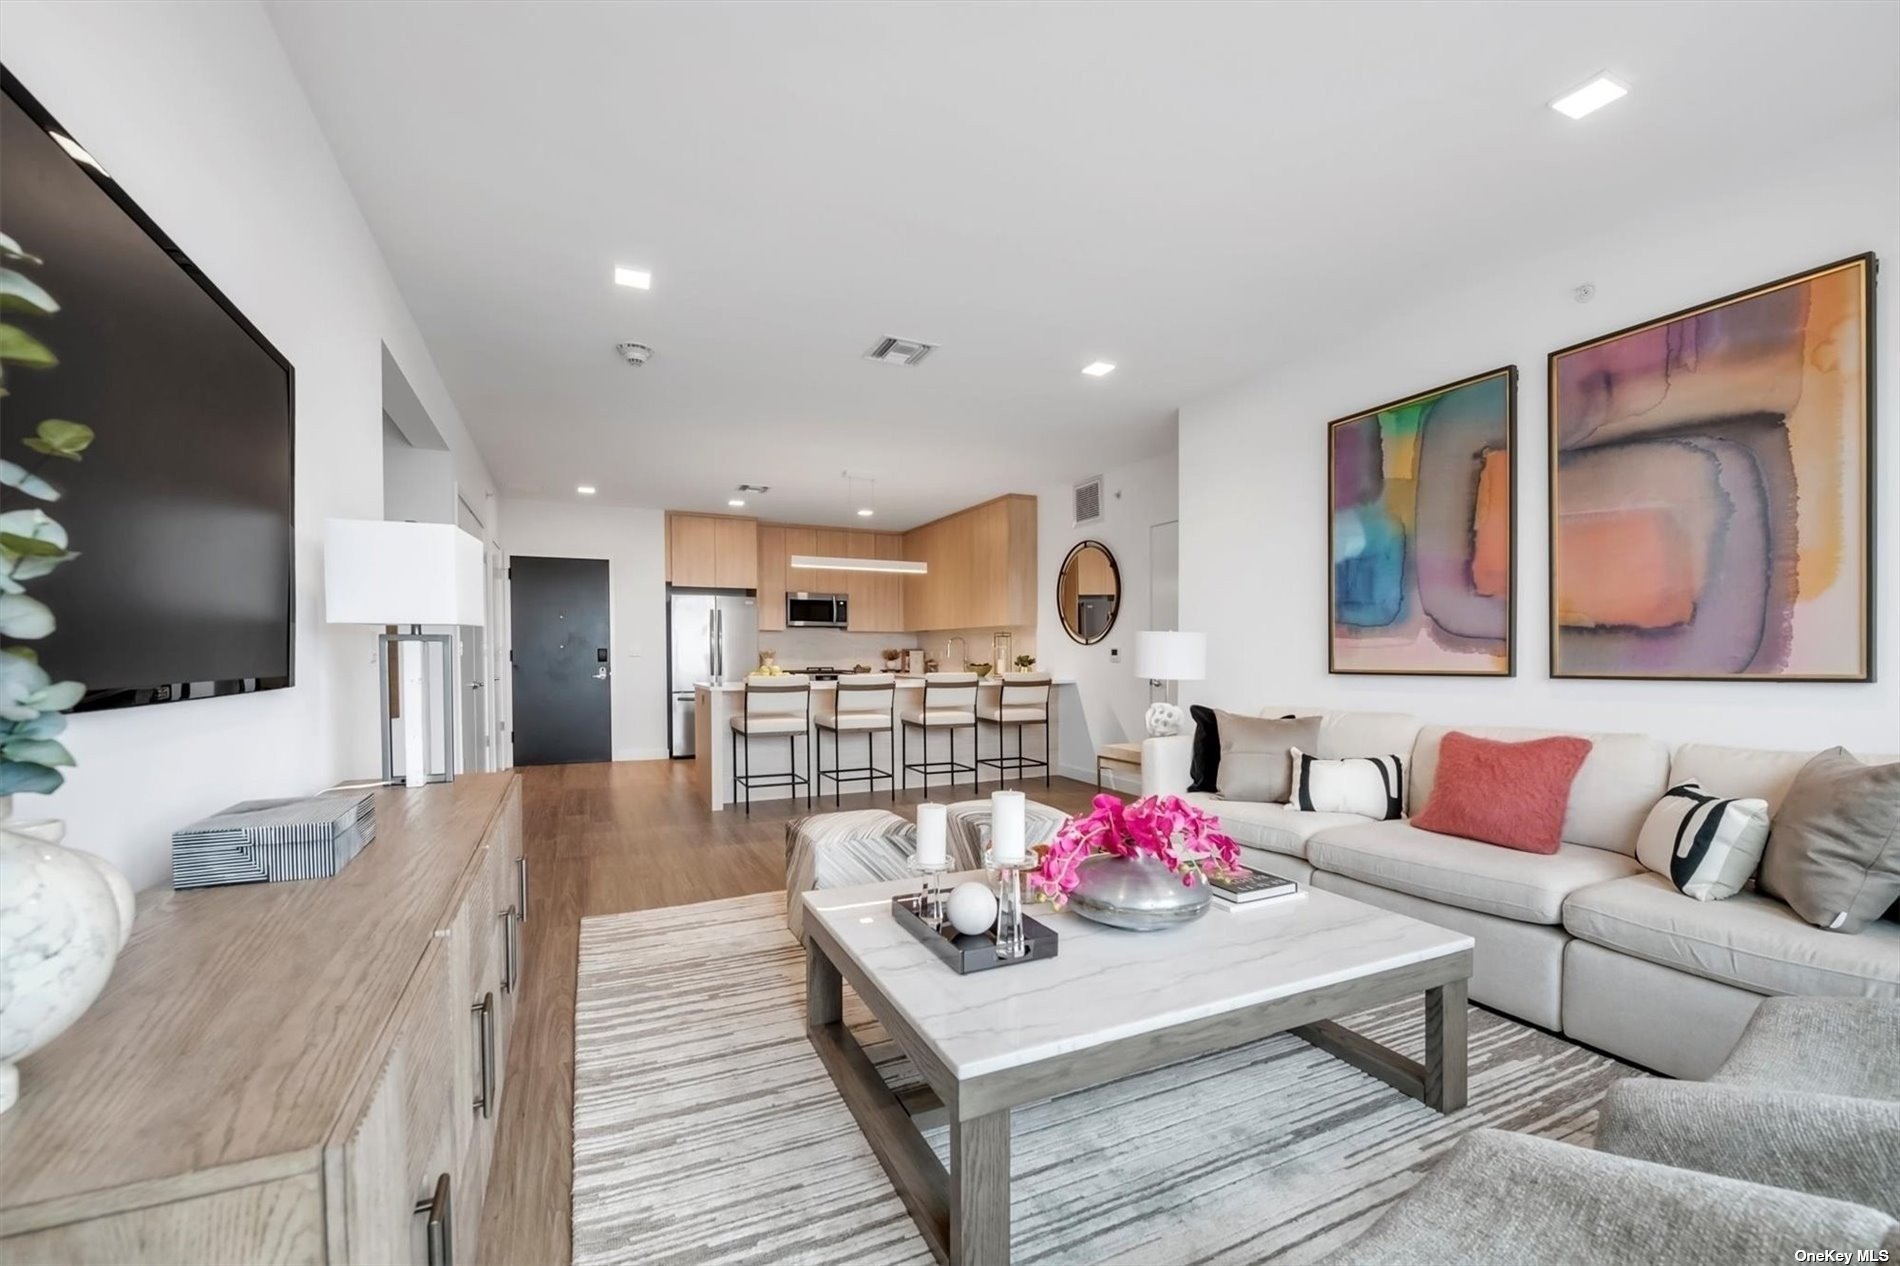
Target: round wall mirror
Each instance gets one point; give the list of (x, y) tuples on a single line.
[(1089, 592)]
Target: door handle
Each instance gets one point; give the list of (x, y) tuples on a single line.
[(600, 674), (441, 1223), (521, 876), (510, 951), (485, 1012)]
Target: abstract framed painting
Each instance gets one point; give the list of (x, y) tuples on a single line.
[(1711, 489), (1422, 529)]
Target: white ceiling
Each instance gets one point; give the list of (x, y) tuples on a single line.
[(1196, 192)]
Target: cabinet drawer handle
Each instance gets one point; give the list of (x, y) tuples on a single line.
[(510, 949), (521, 882), (441, 1223), (484, 1011)]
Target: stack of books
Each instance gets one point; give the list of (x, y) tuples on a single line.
[(1249, 887), (269, 841)]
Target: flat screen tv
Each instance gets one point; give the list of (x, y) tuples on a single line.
[(180, 509)]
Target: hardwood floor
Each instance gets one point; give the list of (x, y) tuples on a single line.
[(602, 839)]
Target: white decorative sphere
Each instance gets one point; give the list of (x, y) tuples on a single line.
[(972, 908), (1165, 719)]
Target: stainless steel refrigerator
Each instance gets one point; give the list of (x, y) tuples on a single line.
[(712, 635)]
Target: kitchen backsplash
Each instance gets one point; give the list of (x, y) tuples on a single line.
[(833, 648)]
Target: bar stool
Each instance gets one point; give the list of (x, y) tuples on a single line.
[(775, 707), (1023, 699), (949, 703), (864, 703)]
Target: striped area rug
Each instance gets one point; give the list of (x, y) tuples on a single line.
[(707, 1131)]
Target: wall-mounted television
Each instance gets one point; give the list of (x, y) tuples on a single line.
[(181, 509)]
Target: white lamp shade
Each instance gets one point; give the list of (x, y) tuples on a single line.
[(377, 572), (1171, 656)]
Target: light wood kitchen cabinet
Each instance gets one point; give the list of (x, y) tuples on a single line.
[(736, 553), (712, 551), (982, 567), (772, 554), (287, 1073), (692, 550), (877, 598)]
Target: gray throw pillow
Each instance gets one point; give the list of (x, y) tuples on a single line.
[(1834, 847), (1254, 763)]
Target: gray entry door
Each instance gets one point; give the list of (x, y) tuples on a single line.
[(563, 694)]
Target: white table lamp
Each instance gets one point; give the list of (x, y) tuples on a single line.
[(383, 573), (1168, 656)]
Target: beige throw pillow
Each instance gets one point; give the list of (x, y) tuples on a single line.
[(1254, 763), (1834, 847)]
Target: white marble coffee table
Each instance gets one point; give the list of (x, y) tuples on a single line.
[(1110, 1004)]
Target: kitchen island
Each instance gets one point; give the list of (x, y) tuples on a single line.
[(715, 706)]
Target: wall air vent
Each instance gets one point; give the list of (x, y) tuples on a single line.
[(1088, 502), (899, 351)]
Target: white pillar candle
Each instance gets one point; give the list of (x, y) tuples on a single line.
[(930, 835), (1008, 841)]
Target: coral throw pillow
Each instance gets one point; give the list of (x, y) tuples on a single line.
[(1512, 794)]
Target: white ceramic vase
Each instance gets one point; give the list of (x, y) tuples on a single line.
[(64, 917)]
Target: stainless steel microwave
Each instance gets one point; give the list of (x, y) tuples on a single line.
[(816, 611)]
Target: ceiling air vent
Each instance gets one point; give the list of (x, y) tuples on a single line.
[(1088, 501), (899, 351)]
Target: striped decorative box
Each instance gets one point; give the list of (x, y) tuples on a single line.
[(270, 841)]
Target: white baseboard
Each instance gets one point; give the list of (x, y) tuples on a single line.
[(1117, 779), (642, 753)]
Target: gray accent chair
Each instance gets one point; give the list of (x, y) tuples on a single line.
[(1794, 1144)]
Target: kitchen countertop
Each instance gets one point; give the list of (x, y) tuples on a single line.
[(737, 687)]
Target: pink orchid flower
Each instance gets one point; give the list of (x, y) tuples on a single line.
[(1182, 837)]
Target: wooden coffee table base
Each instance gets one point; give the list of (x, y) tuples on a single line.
[(963, 1212)]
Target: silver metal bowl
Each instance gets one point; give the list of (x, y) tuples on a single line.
[(1138, 893)]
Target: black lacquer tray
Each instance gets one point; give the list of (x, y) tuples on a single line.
[(966, 954)]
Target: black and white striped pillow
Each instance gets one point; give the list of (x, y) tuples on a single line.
[(1370, 786), (1708, 847)]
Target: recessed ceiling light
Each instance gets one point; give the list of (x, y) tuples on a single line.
[(1590, 98), (866, 512), (586, 490), (1098, 368), (638, 278), (735, 502)]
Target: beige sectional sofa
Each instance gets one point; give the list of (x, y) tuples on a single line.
[(1584, 941)]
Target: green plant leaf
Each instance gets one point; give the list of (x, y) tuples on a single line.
[(44, 726), (58, 697), (11, 250), (19, 776), (37, 751), (29, 546), (17, 290), (14, 475), (22, 348), (23, 617), (60, 438)]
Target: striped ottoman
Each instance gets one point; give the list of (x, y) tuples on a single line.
[(969, 829), (864, 846), (836, 850)]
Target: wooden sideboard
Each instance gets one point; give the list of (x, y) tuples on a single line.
[(289, 1073)]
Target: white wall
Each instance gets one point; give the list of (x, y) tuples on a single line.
[(194, 109), (1108, 702), (1253, 460), (634, 544)]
